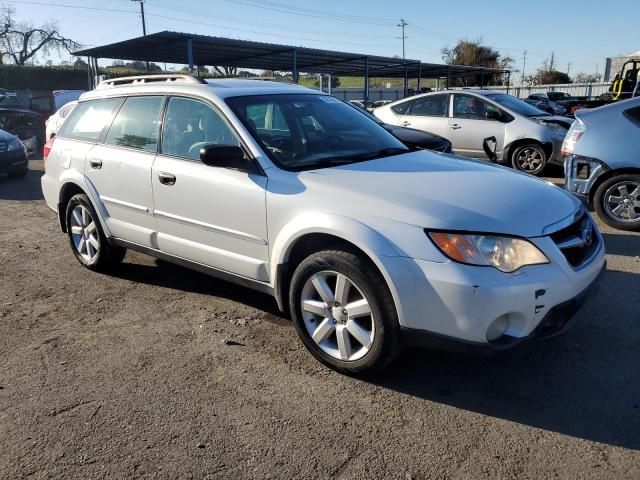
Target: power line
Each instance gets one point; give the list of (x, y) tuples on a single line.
[(62, 5)]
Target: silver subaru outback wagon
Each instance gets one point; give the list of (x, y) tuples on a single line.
[(289, 191)]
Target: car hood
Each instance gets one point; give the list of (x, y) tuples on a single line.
[(413, 136), (6, 136), (440, 191)]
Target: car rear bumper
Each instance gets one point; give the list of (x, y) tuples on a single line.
[(13, 161)]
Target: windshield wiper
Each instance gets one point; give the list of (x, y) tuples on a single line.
[(355, 158)]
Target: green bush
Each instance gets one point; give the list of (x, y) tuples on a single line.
[(26, 77)]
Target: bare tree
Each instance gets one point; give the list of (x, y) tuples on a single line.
[(22, 42)]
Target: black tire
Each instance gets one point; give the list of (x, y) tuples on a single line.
[(368, 280), (107, 256), (535, 160), (605, 212), (19, 173)]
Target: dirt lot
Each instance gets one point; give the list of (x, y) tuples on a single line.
[(130, 376)]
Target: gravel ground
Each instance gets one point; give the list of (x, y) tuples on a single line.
[(130, 376)]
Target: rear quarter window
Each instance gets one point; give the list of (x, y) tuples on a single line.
[(402, 108), (89, 119)]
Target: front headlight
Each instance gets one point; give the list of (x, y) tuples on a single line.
[(15, 144), (507, 254)]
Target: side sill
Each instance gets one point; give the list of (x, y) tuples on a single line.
[(213, 272)]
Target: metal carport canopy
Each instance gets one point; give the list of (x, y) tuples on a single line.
[(175, 47)]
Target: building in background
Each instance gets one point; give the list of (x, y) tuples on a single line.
[(612, 65)]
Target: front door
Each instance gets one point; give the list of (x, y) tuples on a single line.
[(210, 215), (471, 121), (120, 169)]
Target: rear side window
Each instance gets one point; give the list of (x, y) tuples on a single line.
[(430, 106), (89, 119), (402, 108), (136, 124)]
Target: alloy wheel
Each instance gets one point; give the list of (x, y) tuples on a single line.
[(337, 315), (84, 234), (622, 201), (530, 160)]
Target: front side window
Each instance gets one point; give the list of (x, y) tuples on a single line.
[(303, 131), (136, 124), (89, 119), (474, 108), (190, 125), (516, 105), (430, 106)]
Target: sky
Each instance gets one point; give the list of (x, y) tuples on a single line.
[(582, 32)]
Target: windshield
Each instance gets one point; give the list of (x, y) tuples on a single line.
[(303, 131), (516, 105), (557, 95)]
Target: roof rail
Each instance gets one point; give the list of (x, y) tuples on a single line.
[(146, 79)]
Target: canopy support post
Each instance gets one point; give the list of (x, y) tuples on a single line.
[(366, 81), (406, 81), (190, 55), (419, 77), (294, 65)]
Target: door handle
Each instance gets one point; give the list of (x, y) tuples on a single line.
[(455, 126), (166, 178), (95, 163), (405, 124)]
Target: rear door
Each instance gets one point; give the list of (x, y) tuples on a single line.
[(470, 123), (211, 215), (429, 114), (120, 169)]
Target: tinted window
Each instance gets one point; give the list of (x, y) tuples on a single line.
[(516, 105), (301, 131), (467, 106), (88, 119), (401, 108), (191, 124), (430, 106), (136, 124)]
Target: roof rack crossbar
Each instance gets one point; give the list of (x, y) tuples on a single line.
[(146, 79)]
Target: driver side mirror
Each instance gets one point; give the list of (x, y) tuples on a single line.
[(224, 156), (493, 115)]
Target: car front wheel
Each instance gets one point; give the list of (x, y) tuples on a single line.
[(617, 202), (530, 158), (86, 237), (343, 312)]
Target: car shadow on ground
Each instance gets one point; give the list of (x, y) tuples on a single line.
[(585, 383), (167, 275), (622, 244), (27, 188)]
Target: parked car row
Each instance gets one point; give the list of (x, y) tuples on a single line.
[(368, 244)]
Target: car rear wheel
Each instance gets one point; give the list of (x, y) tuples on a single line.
[(86, 237), (530, 158), (343, 312), (617, 202)]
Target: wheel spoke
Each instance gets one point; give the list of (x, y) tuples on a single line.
[(90, 251), (93, 241), (76, 230), (631, 210), (359, 333), (623, 190), (614, 199), (359, 308), (77, 217), (636, 192), (315, 307), (619, 209), (344, 342), (85, 217), (320, 283), (91, 227), (324, 330), (343, 286), (81, 245)]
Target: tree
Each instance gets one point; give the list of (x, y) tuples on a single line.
[(226, 71), (22, 42), (587, 78), (548, 74), (474, 53)]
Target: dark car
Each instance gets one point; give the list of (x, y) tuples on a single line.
[(13, 155), (412, 138)]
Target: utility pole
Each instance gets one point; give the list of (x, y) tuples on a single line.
[(144, 24), (524, 64), (403, 24), (568, 68)]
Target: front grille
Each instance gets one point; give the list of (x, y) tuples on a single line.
[(3, 146), (578, 242)]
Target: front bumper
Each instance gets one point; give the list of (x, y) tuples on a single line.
[(13, 161), (462, 303)]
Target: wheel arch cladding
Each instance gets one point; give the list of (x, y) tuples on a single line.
[(67, 191)]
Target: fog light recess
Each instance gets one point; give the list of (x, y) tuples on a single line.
[(498, 327)]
